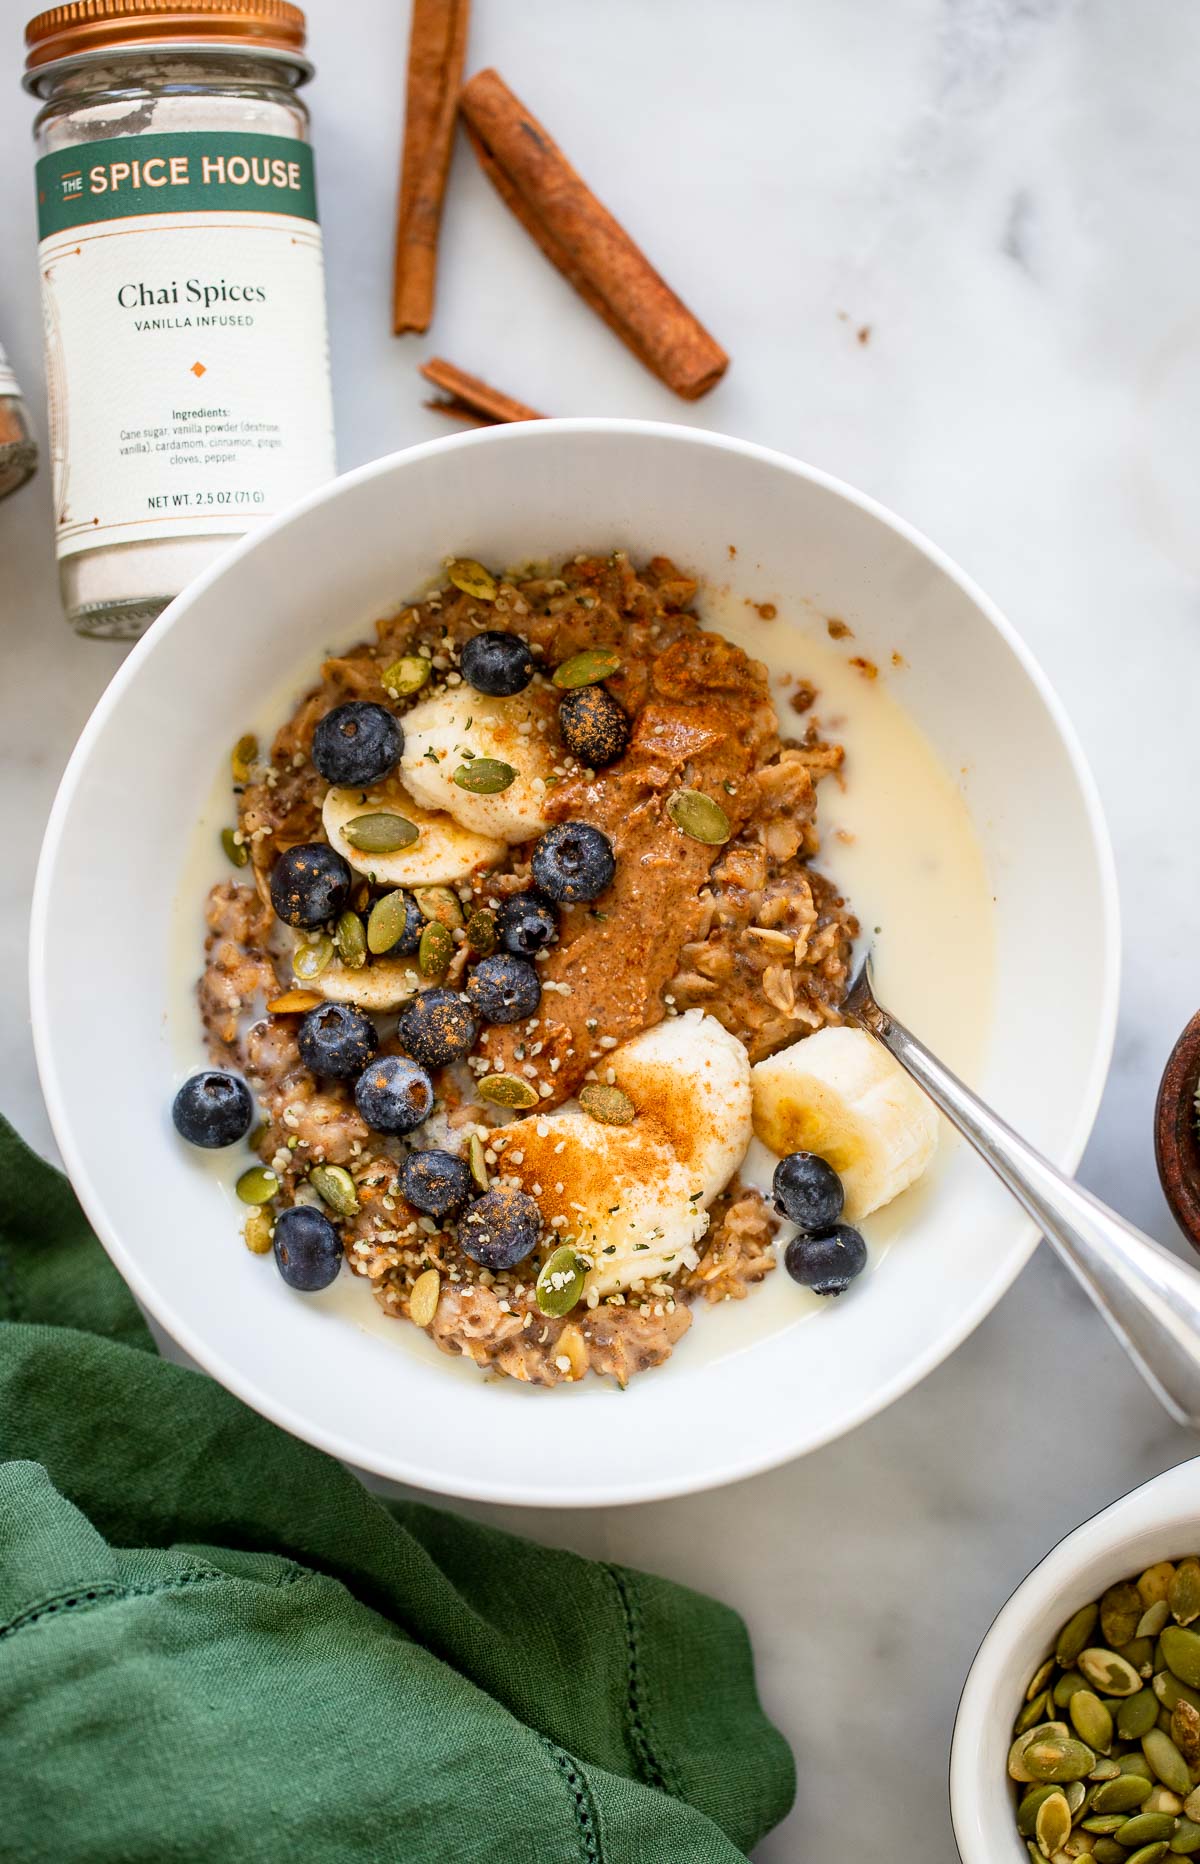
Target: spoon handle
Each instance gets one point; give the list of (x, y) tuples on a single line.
[(1149, 1298)]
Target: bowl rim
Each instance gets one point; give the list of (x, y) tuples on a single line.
[(241, 1381), (1174, 1495)]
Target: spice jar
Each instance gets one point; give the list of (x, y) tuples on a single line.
[(18, 452), (182, 289)]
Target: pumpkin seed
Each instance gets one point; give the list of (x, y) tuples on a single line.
[(1140, 1653), (242, 757), (586, 669), (1040, 1680), (1076, 1793), (472, 578), (1108, 1851), (1106, 1824), (335, 1187), (256, 1231), (1155, 1582), (1136, 1764), (237, 851), (485, 776), (1182, 1651), (1170, 1690), (351, 940), (387, 921), (1185, 1731), (1183, 1598), (294, 1002), (1191, 1805), (697, 815), (1091, 1720), (1162, 1799), (1027, 1811), (406, 675), (482, 935), (1105, 1770), (1144, 1828), (1074, 1636), (1123, 1794), (560, 1283), (1147, 1854), (380, 831), (610, 1107), (1166, 1760), (507, 1090), (1035, 1851), (440, 904), (1186, 1841), (1108, 1673), (1053, 1825), (423, 1301), (435, 951), (1137, 1715), (1058, 1758), (258, 1185), (1120, 1608), (1066, 1686), (477, 1162), (1153, 1618), (1033, 1712), (309, 960)]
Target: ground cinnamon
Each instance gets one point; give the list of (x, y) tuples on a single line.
[(437, 45), (469, 399), (580, 236)]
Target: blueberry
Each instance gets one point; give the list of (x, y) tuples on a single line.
[(504, 989), (357, 744), (573, 862), (309, 884), (594, 728), (394, 1095), (497, 664), (808, 1191), (337, 1041), (213, 1108), (826, 1263), (526, 923), (501, 1229), (437, 1027), (414, 925), (308, 1250), (435, 1182)]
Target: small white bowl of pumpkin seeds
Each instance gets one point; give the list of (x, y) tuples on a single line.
[(1078, 1732)]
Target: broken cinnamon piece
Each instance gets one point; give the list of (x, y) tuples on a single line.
[(469, 399), (437, 46), (579, 235)]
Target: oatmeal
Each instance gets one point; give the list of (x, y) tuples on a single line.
[(527, 900)]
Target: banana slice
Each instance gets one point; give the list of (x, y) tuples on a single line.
[(691, 1078), (443, 851), (519, 732), (837, 1093), (382, 985), (634, 1198)]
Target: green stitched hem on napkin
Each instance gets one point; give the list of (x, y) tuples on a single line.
[(215, 1644)]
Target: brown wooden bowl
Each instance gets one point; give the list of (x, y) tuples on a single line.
[(1176, 1138)]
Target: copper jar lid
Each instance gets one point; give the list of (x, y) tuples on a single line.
[(96, 26)]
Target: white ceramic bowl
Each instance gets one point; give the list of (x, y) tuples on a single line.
[(1159, 1521), (106, 962)]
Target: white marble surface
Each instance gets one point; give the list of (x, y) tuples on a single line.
[(1007, 194)]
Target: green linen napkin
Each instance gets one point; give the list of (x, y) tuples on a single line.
[(215, 1644)]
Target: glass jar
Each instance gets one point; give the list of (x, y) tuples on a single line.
[(182, 288), (18, 450)]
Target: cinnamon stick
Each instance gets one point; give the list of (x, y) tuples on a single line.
[(437, 46), (579, 235), (470, 399)]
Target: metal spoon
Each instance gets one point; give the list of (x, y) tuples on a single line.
[(1149, 1298)]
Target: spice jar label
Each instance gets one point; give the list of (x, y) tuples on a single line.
[(8, 381), (186, 356)]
